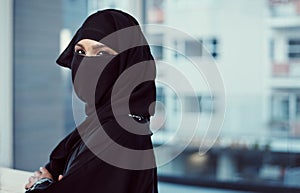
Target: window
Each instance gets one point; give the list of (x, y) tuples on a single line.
[(282, 8), (252, 152), (42, 97), (280, 107), (160, 97), (212, 44), (294, 49), (260, 150), (195, 48), (285, 112), (192, 104), (198, 104), (286, 62), (155, 11), (207, 104), (272, 47), (156, 45)]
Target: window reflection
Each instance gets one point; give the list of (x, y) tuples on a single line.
[(257, 47), (264, 123)]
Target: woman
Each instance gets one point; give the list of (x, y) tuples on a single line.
[(111, 151)]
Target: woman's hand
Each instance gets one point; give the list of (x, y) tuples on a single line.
[(37, 175)]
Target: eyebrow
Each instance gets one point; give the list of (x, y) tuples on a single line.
[(97, 46)]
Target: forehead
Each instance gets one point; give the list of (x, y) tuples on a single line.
[(89, 42)]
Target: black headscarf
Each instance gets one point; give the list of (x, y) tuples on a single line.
[(121, 32), (79, 156)]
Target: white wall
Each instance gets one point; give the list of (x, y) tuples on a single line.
[(6, 85), (240, 28)]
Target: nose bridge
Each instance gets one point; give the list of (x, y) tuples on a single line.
[(90, 53)]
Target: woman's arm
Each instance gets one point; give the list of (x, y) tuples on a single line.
[(97, 176), (59, 156), (53, 170), (40, 180), (37, 176)]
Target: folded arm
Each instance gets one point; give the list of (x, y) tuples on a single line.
[(40, 180)]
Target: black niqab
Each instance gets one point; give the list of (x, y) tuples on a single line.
[(74, 156), (106, 26)]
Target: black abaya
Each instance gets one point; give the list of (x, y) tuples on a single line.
[(78, 156)]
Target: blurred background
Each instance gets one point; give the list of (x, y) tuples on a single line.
[(256, 45)]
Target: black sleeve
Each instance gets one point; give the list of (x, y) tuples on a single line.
[(59, 155), (100, 177), (40, 185), (89, 174)]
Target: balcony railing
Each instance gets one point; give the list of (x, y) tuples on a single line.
[(284, 8), (288, 69)]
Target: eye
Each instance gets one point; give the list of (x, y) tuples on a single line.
[(102, 53), (80, 51)]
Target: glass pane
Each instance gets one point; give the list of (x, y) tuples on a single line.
[(259, 142), (253, 44)]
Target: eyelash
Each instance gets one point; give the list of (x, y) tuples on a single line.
[(98, 54), (103, 53), (79, 50)]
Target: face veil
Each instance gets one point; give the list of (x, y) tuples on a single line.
[(99, 74)]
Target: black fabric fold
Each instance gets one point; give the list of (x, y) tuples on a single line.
[(78, 156)]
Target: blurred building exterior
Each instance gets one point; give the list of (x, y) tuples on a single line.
[(284, 61), (256, 47)]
